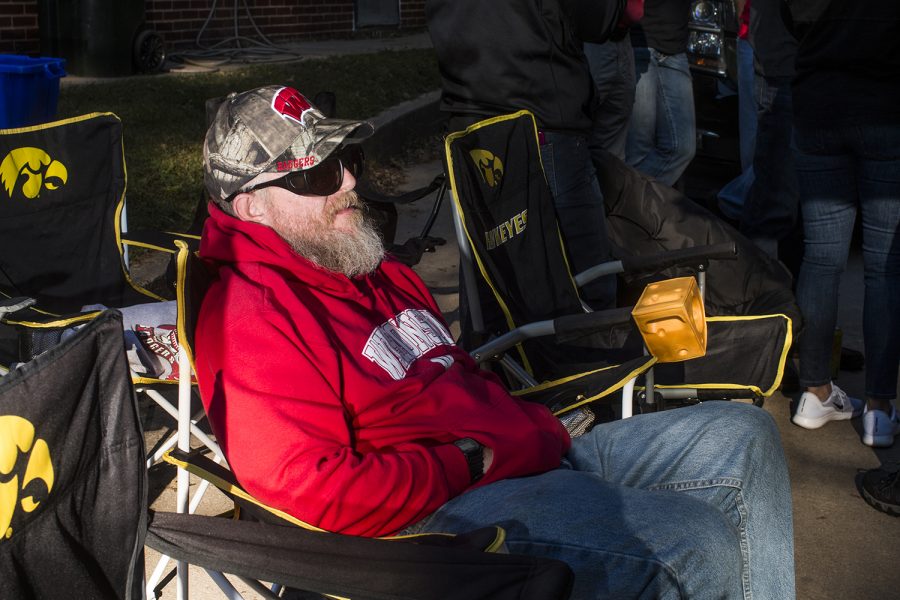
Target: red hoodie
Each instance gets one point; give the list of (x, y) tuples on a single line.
[(338, 400)]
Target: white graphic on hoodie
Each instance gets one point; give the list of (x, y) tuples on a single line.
[(397, 343)]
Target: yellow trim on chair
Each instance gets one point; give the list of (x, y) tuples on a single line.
[(181, 258), (62, 322), (455, 195), (786, 348), (234, 490), (53, 124), (222, 484), (651, 360)]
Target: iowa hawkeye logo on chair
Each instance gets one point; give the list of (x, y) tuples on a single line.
[(26, 472), (31, 170), (490, 166)]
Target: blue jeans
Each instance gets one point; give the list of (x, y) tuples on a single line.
[(771, 209), (662, 137), (841, 171), (579, 209), (688, 503), (612, 68), (733, 195)]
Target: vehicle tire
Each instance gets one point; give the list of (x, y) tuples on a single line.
[(149, 53)]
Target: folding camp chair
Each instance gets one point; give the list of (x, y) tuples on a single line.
[(515, 273), (74, 518), (192, 281), (63, 242)]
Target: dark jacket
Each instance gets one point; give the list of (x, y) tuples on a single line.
[(848, 62), (774, 45), (664, 26), (501, 56)]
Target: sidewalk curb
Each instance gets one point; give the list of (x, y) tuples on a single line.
[(397, 126)]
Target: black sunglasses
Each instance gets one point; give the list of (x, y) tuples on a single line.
[(324, 179)]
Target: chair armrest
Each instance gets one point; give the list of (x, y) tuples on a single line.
[(583, 323), (694, 256), (12, 305)]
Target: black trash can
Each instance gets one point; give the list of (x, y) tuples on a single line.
[(96, 37)]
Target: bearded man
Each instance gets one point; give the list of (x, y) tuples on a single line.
[(338, 396)]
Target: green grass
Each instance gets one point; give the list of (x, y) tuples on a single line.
[(164, 116)]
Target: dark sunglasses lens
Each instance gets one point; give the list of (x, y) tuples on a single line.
[(354, 160), (324, 179)]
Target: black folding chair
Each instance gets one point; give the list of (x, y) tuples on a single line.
[(516, 274)]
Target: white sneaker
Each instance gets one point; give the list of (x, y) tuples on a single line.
[(879, 429), (812, 413)]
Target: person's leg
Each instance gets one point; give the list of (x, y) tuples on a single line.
[(827, 180), (676, 128), (733, 195), (771, 208), (662, 136), (579, 208), (879, 195), (679, 504), (612, 68), (746, 103), (726, 454), (640, 141)]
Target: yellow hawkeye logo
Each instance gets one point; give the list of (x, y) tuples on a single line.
[(36, 170), (490, 166), (17, 446)]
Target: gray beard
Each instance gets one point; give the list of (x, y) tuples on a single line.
[(352, 253)]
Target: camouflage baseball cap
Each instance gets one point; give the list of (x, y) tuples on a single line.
[(269, 130)]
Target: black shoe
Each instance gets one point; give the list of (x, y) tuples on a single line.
[(790, 380), (881, 489)]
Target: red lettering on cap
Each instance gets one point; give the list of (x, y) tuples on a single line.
[(294, 164), (290, 104)]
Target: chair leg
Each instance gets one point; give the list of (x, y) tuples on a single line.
[(184, 445), (173, 412), (628, 398), (227, 588)]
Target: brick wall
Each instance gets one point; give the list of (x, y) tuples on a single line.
[(179, 21), (19, 27)]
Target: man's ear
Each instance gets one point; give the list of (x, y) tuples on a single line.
[(250, 207)]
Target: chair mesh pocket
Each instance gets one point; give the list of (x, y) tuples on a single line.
[(34, 342)]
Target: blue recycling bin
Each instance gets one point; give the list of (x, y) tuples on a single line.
[(29, 89)]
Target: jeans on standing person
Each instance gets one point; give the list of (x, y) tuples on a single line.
[(688, 503), (662, 136), (580, 211), (771, 209), (733, 195), (842, 171), (612, 69)]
